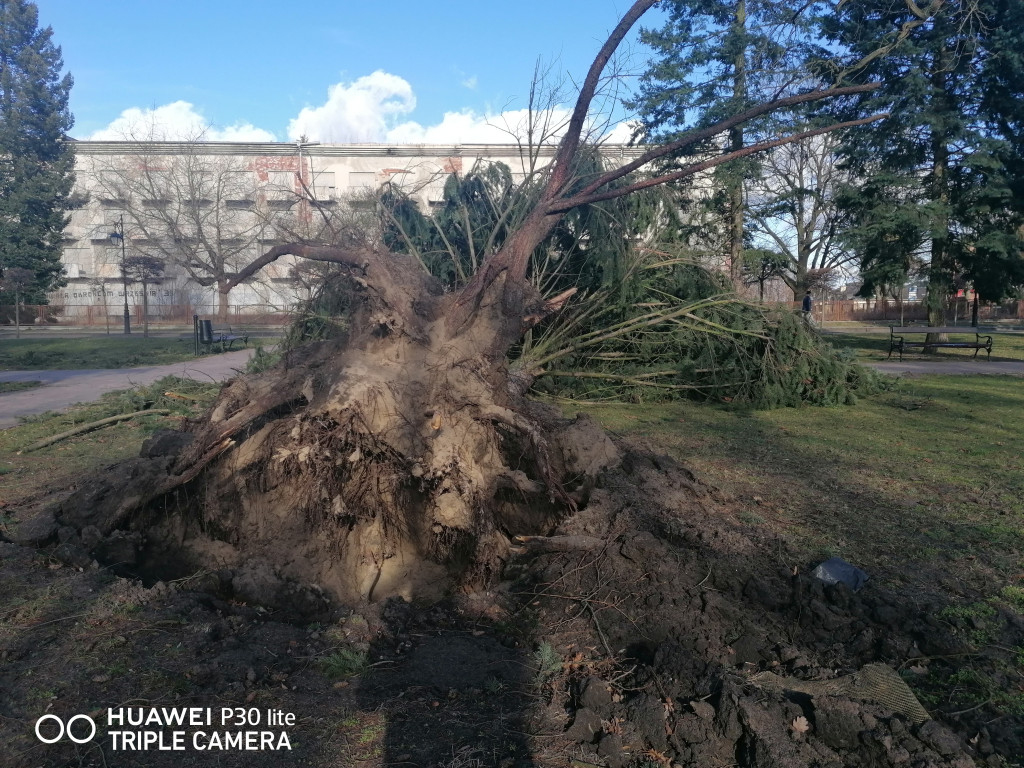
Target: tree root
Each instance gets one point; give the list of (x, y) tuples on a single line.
[(537, 544), (82, 428)]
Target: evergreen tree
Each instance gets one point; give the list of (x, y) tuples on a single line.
[(36, 160), (714, 59), (939, 186), (648, 321)]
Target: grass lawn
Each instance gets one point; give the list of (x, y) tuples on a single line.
[(18, 386), (875, 346), (922, 487), (61, 465), (93, 352), (929, 474)]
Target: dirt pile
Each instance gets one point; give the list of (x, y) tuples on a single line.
[(646, 630), (725, 653)]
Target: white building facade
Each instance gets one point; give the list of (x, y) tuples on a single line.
[(203, 210)]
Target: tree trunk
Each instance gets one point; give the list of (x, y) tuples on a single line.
[(736, 199), (388, 462), (145, 310), (223, 290), (940, 277), (736, 232)]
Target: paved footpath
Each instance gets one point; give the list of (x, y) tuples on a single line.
[(65, 388), (967, 367)]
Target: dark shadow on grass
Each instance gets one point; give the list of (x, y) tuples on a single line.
[(450, 690)]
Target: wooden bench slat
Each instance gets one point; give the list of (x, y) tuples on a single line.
[(936, 329), (898, 343)]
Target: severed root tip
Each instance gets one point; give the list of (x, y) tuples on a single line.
[(555, 303), (536, 544)]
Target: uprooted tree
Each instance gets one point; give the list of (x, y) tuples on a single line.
[(405, 452)]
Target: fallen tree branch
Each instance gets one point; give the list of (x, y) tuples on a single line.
[(90, 427), (640, 381), (590, 194)]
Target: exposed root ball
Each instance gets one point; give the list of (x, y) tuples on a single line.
[(326, 471)]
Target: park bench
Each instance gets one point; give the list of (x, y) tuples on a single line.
[(898, 342), (225, 337)]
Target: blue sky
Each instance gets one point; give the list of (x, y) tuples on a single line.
[(399, 71)]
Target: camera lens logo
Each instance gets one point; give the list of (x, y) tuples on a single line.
[(72, 731)]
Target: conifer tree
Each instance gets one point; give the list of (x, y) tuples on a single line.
[(939, 185), (36, 160), (712, 60)]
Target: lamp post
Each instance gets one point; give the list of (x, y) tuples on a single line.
[(306, 191), (299, 144), (118, 236)]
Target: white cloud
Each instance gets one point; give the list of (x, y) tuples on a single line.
[(469, 127), (621, 133), (241, 132), (177, 121), (361, 111), (372, 108), (470, 82), (507, 127)]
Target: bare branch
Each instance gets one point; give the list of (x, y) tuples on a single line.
[(571, 140), (359, 257), (696, 136), (560, 206)]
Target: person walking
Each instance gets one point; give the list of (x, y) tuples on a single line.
[(807, 307)]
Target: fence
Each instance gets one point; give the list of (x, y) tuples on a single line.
[(94, 315), (897, 313)]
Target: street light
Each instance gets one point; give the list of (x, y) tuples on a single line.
[(118, 236), (307, 190), (299, 144)]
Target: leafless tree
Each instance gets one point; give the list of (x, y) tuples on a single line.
[(793, 211), (146, 270), (203, 215), (17, 280)]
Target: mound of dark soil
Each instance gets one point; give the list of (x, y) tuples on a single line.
[(694, 612), (647, 630)]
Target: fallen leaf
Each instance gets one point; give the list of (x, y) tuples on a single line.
[(800, 725)]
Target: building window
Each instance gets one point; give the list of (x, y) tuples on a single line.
[(323, 185), (362, 181)]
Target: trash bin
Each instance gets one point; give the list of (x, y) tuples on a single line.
[(205, 331)]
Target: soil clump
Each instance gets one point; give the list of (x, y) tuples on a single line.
[(645, 629)]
